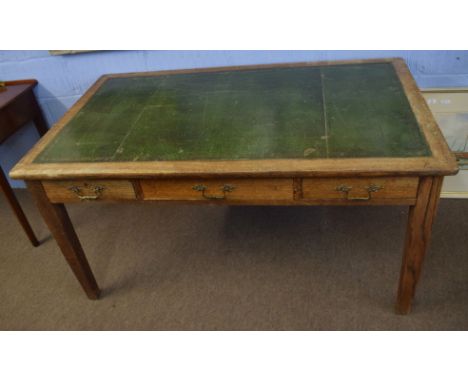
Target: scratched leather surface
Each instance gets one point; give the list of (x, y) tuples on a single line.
[(343, 111)]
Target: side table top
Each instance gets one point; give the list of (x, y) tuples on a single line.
[(14, 89)]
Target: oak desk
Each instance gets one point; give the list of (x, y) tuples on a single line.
[(341, 133)]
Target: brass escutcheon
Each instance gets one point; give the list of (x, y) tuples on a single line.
[(202, 188)]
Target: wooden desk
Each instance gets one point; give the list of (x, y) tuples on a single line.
[(342, 133), (18, 106)]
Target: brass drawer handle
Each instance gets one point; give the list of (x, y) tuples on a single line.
[(96, 189), (372, 188), (202, 188)]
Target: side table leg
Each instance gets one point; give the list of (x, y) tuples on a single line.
[(418, 234), (6, 188), (58, 221)]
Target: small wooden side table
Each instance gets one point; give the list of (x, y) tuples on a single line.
[(18, 105)]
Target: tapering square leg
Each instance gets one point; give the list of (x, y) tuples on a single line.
[(58, 221), (418, 234)]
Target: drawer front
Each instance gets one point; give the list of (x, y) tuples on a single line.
[(76, 191), (219, 189), (360, 189)]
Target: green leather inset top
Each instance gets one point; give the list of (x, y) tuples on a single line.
[(342, 111)]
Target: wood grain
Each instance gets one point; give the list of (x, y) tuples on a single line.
[(244, 189), (253, 168), (418, 234), (62, 192), (392, 188)]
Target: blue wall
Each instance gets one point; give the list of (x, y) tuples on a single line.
[(63, 79)]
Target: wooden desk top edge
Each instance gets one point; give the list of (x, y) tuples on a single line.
[(442, 162)]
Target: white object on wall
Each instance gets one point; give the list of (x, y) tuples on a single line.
[(450, 109)]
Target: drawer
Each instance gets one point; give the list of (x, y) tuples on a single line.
[(76, 191), (360, 189), (218, 189)]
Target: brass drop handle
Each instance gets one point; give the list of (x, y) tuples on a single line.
[(372, 188), (202, 188), (96, 189)]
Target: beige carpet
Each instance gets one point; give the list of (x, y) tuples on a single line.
[(233, 268)]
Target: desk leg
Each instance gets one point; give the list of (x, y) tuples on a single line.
[(6, 188), (418, 233), (58, 221)]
